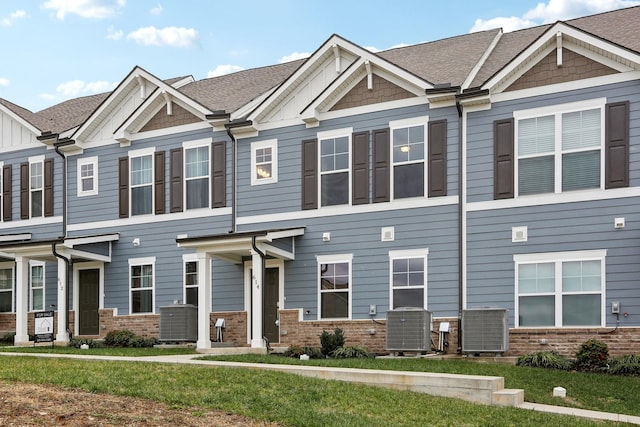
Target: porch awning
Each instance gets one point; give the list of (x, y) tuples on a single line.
[(89, 248), (232, 247)]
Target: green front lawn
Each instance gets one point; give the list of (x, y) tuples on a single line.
[(300, 401)]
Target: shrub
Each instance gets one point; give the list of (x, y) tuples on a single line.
[(126, 338), (297, 351), (628, 364), (592, 356), (352, 352), (331, 341), (7, 338), (545, 359)]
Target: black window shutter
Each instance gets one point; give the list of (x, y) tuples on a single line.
[(360, 142), (6, 193), (24, 190), (123, 186), (381, 165), (310, 174), (218, 176), (503, 150), (158, 181), (48, 187), (437, 167), (616, 133), (176, 185)]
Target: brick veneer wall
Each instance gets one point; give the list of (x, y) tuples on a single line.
[(620, 341), (235, 330), (356, 332), (144, 325)]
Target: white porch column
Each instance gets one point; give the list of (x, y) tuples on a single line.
[(62, 336), (204, 300), (22, 301), (257, 340)]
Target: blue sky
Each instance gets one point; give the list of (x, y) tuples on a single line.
[(59, 49)]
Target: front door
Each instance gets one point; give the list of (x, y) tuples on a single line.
[(89, 301), (270, 304)]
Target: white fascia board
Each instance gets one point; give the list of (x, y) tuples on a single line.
[(472, 75), (22, 121), (549, 37)]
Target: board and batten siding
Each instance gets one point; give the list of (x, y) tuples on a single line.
[(284, 196), (563, 227), (480, 173)]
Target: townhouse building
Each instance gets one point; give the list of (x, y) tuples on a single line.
[(489, 169)]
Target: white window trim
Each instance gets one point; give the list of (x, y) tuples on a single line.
[(32, 161), (86, 161), (185, 259), (405, 254), (557, 111), (331, 134), (401, 124), (188, 145), (44, 282), (11, 266), (255, 146), (1, 204), (333, 259), (150, 151), (557, 258), (143, 261)]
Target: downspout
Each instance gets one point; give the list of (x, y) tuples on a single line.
[(233, 179), (461, 227), (66, 260), (264, 261)]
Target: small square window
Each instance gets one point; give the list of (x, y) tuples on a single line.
[(264, 162), (87, 176)]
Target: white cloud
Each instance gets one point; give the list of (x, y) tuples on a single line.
[(372, 49), (294, 56), (4, 82), (14, 16), (96, 9), (169, 36), (112, 34), (76, 88), (551, 11), (221, 70), (157, 10)]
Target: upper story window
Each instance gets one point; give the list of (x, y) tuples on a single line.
[(334, 168), (6, 287), (561, 289), (141, 180), (87, 176), (560, 149), (408, 148), (334, 277), (37, 285), (264, 162), (36, 188), (141, 279), (196, 167), (408, 269), (2, 191)]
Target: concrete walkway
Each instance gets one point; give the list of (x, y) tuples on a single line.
[(315, 371)]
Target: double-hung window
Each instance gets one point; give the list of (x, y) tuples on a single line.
[(141, 167), (190, 280), (36, 188), (36, 281), (560, 148), (334, 278), (264, 162), (1, 191), (141, 279), (335, 182), (196, 165), (561, 289), (408, 270), (87, 176), (408, 147), (6, 287)]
